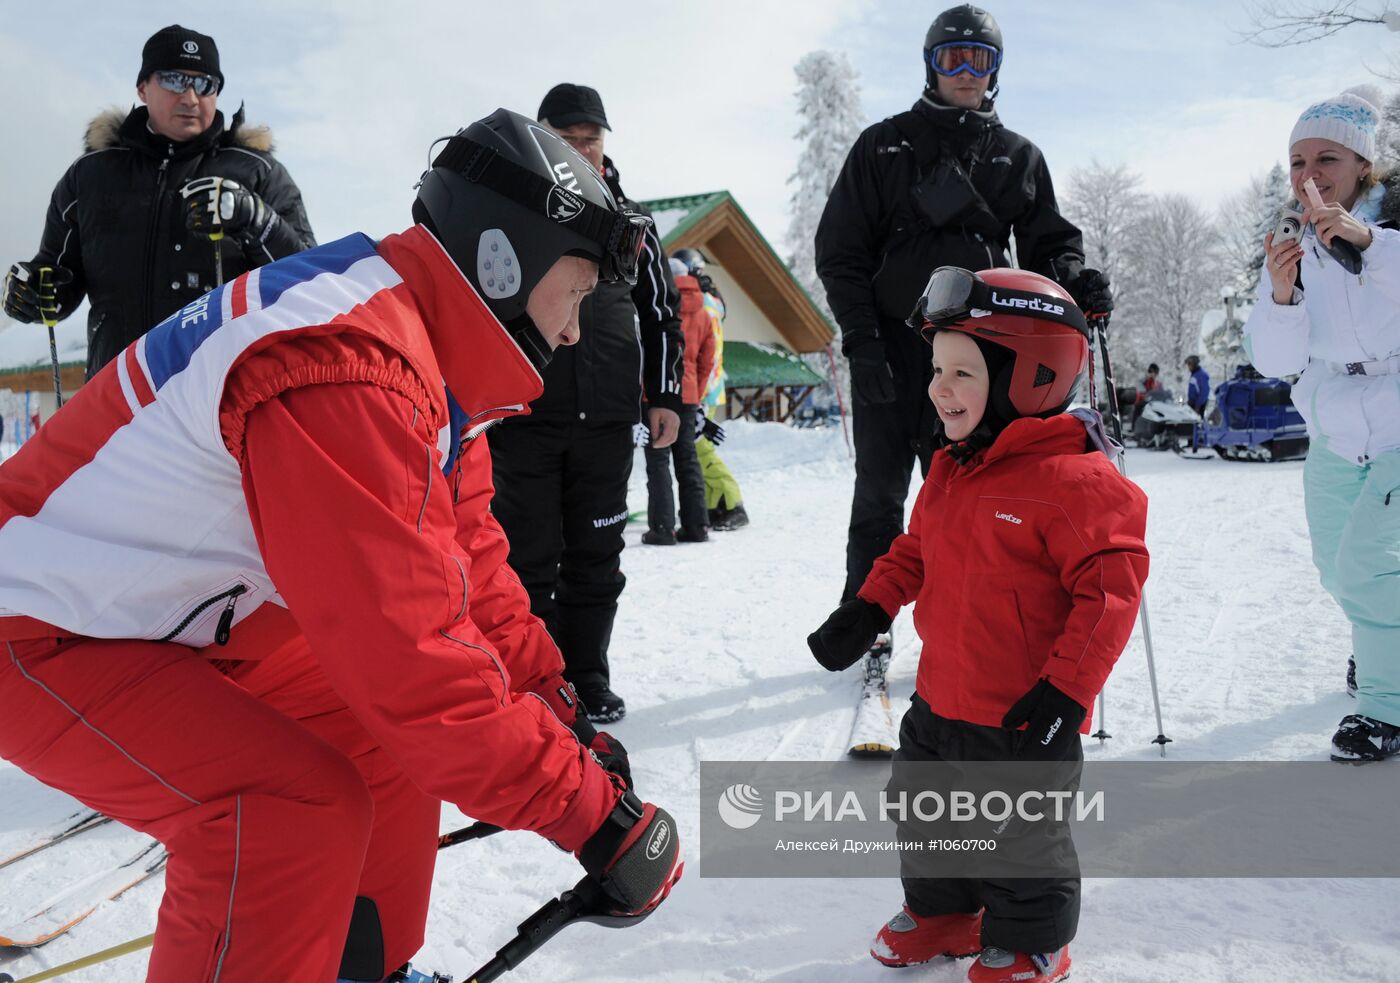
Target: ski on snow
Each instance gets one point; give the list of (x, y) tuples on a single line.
[(70, 906), (65, 829), (874, 733)]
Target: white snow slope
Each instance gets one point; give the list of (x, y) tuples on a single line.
[(709, 652)]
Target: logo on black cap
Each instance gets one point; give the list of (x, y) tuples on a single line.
[(191, 48)]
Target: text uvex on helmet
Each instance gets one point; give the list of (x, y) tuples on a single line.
[(968, 26), (1030, 315), (507, 198), (693, 259)]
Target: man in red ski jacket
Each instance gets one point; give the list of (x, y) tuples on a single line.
[(273, 626)]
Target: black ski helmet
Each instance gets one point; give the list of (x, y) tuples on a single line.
[(693, 259), (962, 23), (507, 198)]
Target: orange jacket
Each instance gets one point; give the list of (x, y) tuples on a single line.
[(699, 340)]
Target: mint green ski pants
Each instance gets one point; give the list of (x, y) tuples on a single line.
[(1354, 520)]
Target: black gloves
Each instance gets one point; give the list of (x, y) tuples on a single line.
[(217, 205), (606, 749), (1052, 722), (634, 856), (872, 382), (707, 428), (1090, 291), (845, 636), (31, 292)]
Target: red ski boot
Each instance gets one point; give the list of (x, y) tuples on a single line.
[(909, 939), (998, 965)]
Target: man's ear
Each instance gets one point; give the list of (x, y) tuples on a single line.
[(141, 91)]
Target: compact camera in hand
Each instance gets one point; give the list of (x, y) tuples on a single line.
[(1289, 228)]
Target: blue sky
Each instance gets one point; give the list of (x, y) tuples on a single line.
[(700, 95)]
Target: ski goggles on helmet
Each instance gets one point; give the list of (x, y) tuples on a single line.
[(623, 250), (178, 82), (977, 59), (619, 234), (955, 295)]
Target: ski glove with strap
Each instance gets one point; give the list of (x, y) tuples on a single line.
[(28, 296), (847, 634), (634, 856), (872, 382), (1052, 722), (607, 750), (215, 205), (1090, 291)]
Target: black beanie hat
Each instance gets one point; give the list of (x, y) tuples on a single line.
[(177, 48)]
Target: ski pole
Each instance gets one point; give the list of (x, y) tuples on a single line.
[(48, 308), (584, 902), (1100, 324), (134, 945), (475, 831), (218, 258)]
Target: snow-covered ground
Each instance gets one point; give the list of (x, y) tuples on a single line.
[(709, 652)]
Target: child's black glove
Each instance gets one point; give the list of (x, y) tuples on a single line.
[(1052, 721), (846, 635)]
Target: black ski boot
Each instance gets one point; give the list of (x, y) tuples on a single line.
[(407, 974), (1360, 739), (600, 704), (723, 519)]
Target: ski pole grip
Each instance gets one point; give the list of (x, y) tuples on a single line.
[(538, 929)]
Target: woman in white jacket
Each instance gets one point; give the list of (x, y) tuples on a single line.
[(1341, 330)]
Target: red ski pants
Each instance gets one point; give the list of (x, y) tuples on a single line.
[(276, 807)]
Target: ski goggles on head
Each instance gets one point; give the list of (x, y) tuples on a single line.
[(178, 82), (955, 295), (977, 59)]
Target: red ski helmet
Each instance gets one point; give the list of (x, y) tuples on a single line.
[(1030, 315)]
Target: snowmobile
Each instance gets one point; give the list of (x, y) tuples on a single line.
[(1255, 420), (1164, 424)]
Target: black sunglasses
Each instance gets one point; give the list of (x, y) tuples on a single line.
[(178, 82)]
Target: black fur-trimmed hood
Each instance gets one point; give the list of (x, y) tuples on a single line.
[(104, 131)]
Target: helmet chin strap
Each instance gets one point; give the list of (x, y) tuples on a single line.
[(531, 342)]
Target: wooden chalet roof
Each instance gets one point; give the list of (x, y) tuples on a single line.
[(716, 225)]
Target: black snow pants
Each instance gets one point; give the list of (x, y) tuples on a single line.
[(889, 438), (1026, 914), (561, 497)]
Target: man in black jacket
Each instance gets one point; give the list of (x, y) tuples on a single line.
[(163, 205), (561, 472), (944, 184)]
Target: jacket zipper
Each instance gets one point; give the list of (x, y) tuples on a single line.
[(221, 634), (153, 234)]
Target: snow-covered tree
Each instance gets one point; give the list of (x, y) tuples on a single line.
[(1174, 251), (1245, 218), (829, 115), (1388, 138), (1106, 203)]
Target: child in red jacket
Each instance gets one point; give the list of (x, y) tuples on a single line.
[(1025, 561)]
